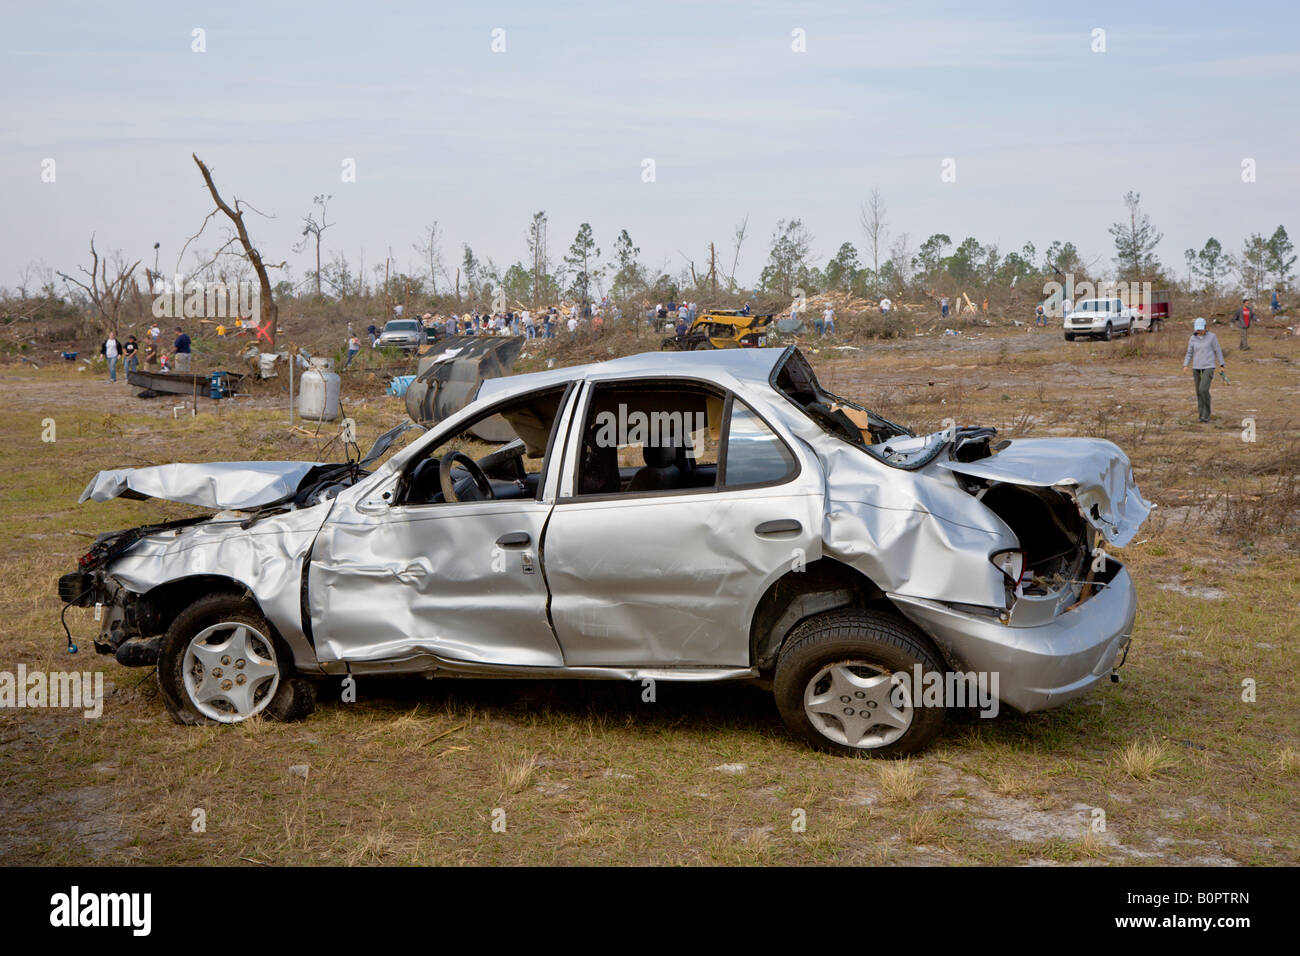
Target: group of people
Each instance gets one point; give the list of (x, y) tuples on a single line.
[(155, 356)]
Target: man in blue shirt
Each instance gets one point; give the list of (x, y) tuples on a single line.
[(181, 351)]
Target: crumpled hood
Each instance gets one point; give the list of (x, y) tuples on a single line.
[(229, 484), (1091, 470)]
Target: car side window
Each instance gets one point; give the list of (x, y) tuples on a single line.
[(754, 455), (507, 450), (651, 438)]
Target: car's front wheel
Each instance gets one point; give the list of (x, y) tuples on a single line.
[(1109, 333), (1069, 336), (845, 684), (220, 663)]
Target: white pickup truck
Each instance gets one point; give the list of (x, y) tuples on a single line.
[(1099, 318)]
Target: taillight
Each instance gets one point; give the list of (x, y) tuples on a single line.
[(1011, 564)]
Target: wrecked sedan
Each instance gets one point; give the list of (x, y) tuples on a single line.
[(701, 516)]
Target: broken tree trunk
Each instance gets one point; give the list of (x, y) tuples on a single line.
[(236, 216)]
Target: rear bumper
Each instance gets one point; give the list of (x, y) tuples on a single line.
[(1041, 666)]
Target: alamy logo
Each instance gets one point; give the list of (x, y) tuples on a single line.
[(73, 909), (960, 689), (79, 690), (1136, 295), (657, 429), (179, 299)]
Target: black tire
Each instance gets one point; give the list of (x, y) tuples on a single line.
[(1069, 336), (888, 644), (1108, 334), (293, 697)]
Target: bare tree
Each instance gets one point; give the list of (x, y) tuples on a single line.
[(872, 216), (236, 215), (430, 251), (737, 241), (314, 228), (900, 255), (105, 291)]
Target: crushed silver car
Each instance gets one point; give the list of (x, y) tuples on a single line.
[(698, 516)]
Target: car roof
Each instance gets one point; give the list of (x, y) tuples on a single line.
[(750, 366)]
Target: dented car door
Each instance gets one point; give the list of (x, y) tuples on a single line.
[(451, 581), (645, 574)]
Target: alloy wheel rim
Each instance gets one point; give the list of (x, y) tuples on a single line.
[(858, 704), (230, 671)]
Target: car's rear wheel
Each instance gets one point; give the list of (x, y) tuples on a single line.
[(844, 684), (221, 663)]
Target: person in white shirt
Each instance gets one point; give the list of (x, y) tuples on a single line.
[(529, 329), (110, 350), (573, 323), (885, 305), (828, 320)]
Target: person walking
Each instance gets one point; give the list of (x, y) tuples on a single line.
[(354, 346), (943, 306), (181, 351), (373, 334), (131, 353), (1276, 303), (1203, 353), (828, 321), (110, 349), (1241, 319)]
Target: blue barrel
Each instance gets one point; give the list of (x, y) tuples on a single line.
[(219, 388)]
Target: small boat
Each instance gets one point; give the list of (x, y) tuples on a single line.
[(184, 383)]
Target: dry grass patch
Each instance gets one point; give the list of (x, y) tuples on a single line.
[(1143, 760), (899, 781), (515, 776), (1288, 761)]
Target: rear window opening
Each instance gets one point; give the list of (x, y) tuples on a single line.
[(793, 377), (888, 442)]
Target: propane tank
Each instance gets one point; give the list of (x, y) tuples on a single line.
[(318, 396)]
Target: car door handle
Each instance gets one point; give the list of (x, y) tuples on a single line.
[(515, 539), (780, 526)]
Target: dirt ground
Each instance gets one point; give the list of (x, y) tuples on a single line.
[(1174, 764)]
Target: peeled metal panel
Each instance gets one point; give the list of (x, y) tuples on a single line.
[(224, 484), (1094, 472)]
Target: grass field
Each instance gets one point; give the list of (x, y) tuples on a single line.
[(1183, 769)]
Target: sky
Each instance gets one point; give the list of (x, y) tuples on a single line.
[(1045, 133)]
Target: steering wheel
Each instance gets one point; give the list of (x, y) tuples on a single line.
[(469, 464)]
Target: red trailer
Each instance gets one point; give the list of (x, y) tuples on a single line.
[(1151, 314)]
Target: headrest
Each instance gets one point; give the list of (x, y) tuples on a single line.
[(659, 456)]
